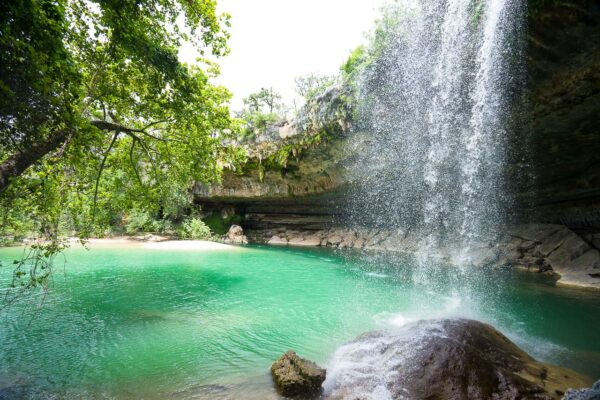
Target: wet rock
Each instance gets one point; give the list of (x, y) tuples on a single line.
[(480, 256), (359, 243), (592, 393), (553, 248), (236, 235), (297, 377), (334, 240), (546, 248), (443, 359), (305, 239)]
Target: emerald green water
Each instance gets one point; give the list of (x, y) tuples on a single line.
[(136, 323)]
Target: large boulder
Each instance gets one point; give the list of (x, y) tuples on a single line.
[(297, 377), (236, 235), (443, 359)]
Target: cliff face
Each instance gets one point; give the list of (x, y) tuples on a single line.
[(564, 101), (294, 177), (305, 195), (562, 137)]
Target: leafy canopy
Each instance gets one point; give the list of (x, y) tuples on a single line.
[(97, 114)]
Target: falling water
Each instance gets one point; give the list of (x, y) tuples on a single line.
[(437, 103)]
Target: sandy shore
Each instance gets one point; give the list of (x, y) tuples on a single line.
[(158, 243)]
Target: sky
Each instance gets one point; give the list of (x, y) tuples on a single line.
[(274, 41)]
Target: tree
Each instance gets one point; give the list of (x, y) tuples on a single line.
[(98, 115), (308, 85), (265, 101), (261, 109), (73, 69)]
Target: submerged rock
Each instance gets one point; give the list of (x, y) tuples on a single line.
[(443, 359), (297, 377)]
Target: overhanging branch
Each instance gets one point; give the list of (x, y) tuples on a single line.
[(15, 165)]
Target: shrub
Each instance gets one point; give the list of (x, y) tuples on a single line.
[(194, 228), (161, 226), (137, 221)]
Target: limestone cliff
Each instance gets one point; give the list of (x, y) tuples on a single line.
[(563, 136), (291, 191)]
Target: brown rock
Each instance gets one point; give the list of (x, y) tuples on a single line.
[(334, 240), (311, 240), (555, 249), (445, 359), (297, 377)]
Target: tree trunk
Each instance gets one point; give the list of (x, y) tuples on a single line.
[(16, 164)]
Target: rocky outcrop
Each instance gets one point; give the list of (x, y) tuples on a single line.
[(297, 377), (555, 249), (561, 135), (298, 199), (235, 235), (443, 359), (341, 238)]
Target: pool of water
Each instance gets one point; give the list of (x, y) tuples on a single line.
[(136, 323)]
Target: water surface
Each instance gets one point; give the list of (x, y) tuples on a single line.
[(136, 323)]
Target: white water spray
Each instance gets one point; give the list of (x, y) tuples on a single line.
[(437, 101)]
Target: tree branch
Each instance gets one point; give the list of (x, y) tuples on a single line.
[(112, 143), (111, 126), (133, 162), (16, 164)]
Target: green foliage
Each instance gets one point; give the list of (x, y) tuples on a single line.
[(98, 117), (220, 225), (265, 101), (261, 109), (35, 267), (110, 91), (388, 29), (256, 123), (138, 221), (354, 62), (310, 85), (195, 228), (40, 83), (477, 9)]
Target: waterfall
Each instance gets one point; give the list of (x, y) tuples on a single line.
[(436, 101)]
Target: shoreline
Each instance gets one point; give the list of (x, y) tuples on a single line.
[(156, 243), (150, 242)]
